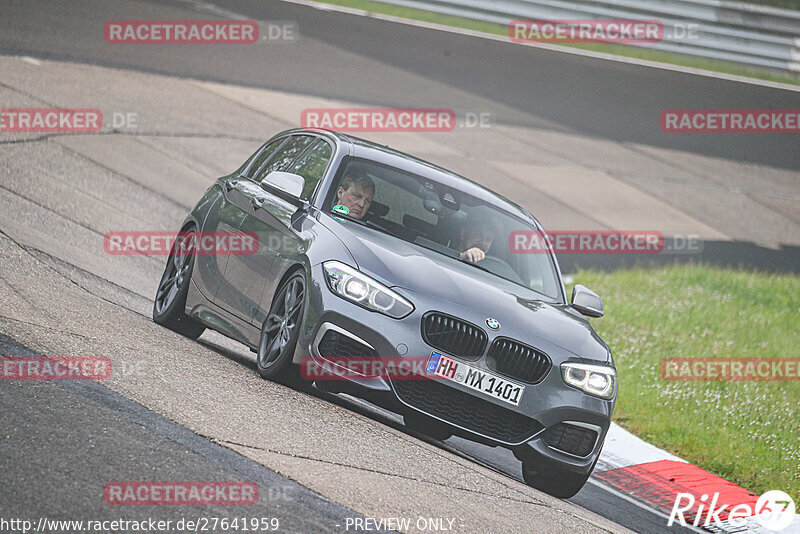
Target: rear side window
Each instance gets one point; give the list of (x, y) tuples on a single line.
[(284, 156), (263, 156), (312, 165)]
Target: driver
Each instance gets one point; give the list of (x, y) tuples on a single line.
[(356, 192), (475, 239)]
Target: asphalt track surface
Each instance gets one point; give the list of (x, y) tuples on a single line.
[(357, 59), (382, 63), (102, 436)]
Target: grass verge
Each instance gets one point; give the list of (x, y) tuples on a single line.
[(374, 6), (746, 432)]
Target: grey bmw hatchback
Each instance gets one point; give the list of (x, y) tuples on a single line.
[(358, 251)]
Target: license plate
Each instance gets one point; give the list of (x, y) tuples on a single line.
[(477, 379)]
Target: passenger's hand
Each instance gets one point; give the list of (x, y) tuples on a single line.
[(472, 255)]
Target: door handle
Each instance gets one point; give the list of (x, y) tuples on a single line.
[(230, 184), (256, 202)]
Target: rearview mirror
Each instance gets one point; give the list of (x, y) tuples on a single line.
[(587, 301), (287, 182)]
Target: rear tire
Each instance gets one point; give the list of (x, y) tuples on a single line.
[(280, 332), (170, 302)]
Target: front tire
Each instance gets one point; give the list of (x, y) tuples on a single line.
[(280, 332), (170, 301)]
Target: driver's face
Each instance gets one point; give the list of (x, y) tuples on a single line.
[(480, 238), (356, 198)]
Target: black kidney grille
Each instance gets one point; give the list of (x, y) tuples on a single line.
[(454, 336), (571, 439), (466, 410), (336, 345), (515, 360)]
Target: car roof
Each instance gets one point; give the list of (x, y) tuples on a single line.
[(362, 148)]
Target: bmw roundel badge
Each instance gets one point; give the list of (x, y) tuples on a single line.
[(494, 324)]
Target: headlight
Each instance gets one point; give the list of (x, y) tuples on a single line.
[(598, 380), (359, 288)]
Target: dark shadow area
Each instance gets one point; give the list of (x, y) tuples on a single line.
[(727, 254), (238, 357)]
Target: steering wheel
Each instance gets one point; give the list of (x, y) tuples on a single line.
[(499, 267)]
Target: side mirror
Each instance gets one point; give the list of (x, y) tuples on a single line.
[(289, 183), (587, 301)]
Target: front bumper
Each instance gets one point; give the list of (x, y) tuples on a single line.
[(542, 406)]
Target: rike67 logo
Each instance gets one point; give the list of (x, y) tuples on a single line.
[(774, 510)]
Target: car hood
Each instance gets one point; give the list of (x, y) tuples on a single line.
[(403, 265)]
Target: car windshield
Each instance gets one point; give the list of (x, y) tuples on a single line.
[(422, 211)]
